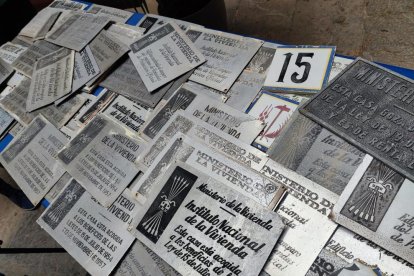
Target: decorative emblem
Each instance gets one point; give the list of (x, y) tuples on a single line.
[(60, 209), (169, 110), (269, 133), (378, 187), (297, 143), (152, 224)]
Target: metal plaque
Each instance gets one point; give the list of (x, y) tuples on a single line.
[(163, 55), (152, 21), (77, 30), (200, 226), (31, 158), (338, 65), (101, 158), (372, 108), (226, 54), (316, 153), (126, 81), (251, 80), (25, 62), (274, 111), (86, 230), (15, 103), (345, 247), (216, 164), (106, 49), (377, 204), (308, 192), (85, 68), (51, 79), (127, 113), (9, 52), (202, 131), (114, 14), (307, 232), (216, 113), (142, 261), (5, 70)]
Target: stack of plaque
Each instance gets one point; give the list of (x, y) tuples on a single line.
[(166, 148)]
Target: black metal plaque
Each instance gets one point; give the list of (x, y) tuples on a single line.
[(372, 108)]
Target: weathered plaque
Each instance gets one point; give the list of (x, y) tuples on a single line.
[(163, 55), (114, 14), (101, 158), (142, 261), (5, 120), (86, 230), (126, 81), (5, 70), (127, 113), (67, 5), (226, 55), (345, 247), (151, 21), (51, 79), (316, 153), (251, 80), (308, 192), (9, 52), (106, 49), (274, 111), (85, 68), (372, 108), (218, 166), (31, 158), (216, 113), (77, 30), (377, 204), (15, 102), (338, 65), (199, 225), (307, 231)]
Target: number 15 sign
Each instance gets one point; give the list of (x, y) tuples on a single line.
[(303, 69)]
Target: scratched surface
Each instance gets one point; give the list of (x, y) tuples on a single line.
[(373, 109)]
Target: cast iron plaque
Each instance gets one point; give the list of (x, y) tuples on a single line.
[(372, 108)]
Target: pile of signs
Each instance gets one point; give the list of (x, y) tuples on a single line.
[(167, 148)]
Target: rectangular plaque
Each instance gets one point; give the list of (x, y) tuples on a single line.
[(163, 55), (31, 158), (218, 166), (200, 226), (372, 108), (345, 247), (216, 139), (126, 81), (226, 55), (86, 230), (142, 261), (216, 113), (101, 158), (301, 69), (250, 81), (316, 153), (274, 111), (127, 113), (307, 231), (377, 204), (77, 30)]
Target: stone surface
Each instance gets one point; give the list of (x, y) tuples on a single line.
[(377, 30)]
